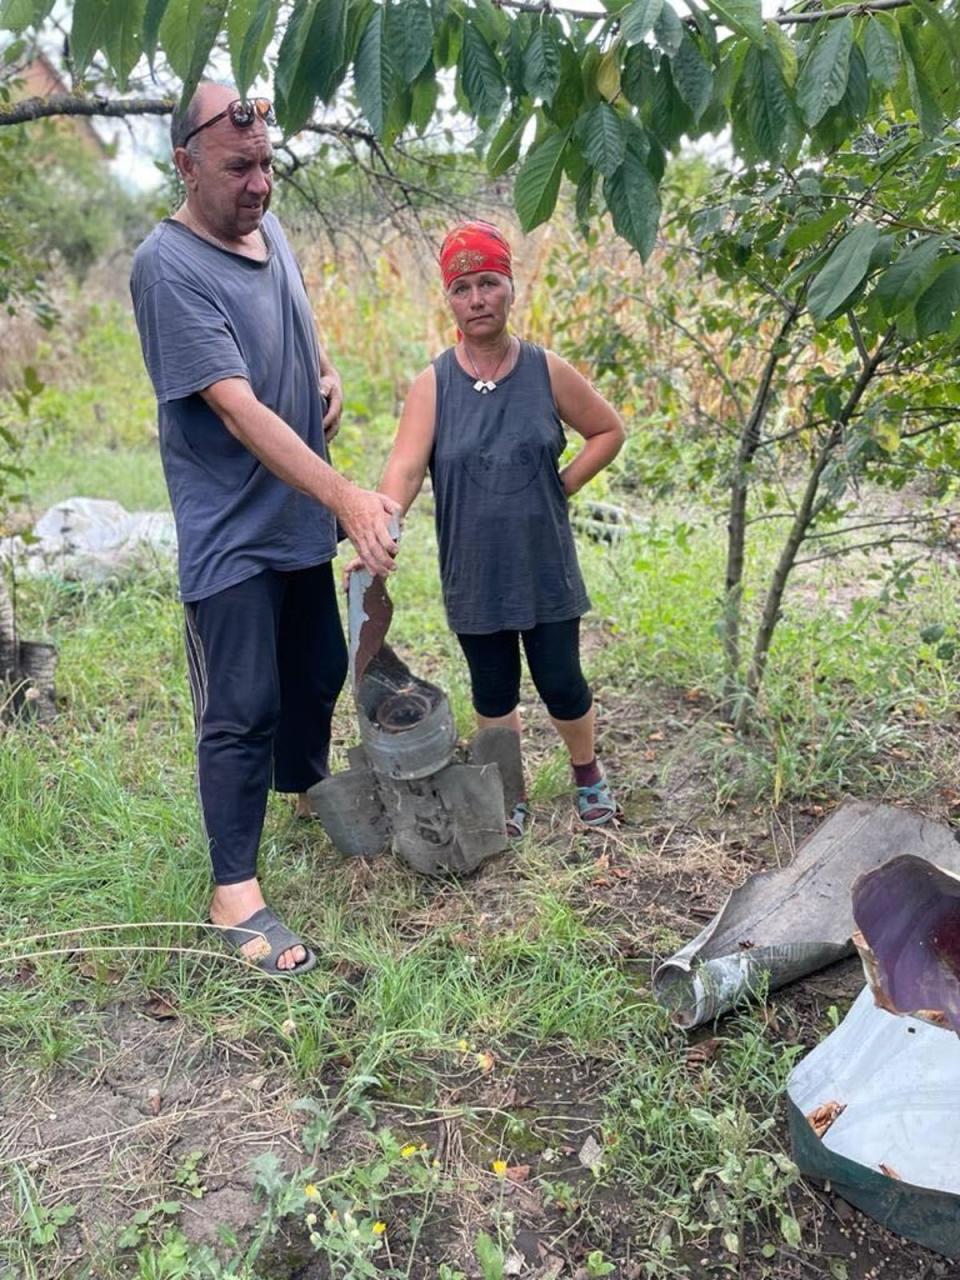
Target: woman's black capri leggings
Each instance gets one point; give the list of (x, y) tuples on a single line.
[(553, 656)]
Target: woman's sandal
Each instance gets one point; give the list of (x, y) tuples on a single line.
[(595, 805), (277, 939), (517, 819)]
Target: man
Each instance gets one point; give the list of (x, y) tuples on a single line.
[(247, 402)]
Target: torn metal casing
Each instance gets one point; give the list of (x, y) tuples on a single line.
[(407, 786), (785, 923), (893, 1148)]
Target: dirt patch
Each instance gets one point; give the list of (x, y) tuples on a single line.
[(154, 1115)]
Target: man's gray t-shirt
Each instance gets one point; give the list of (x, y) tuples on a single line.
[(204, 314)]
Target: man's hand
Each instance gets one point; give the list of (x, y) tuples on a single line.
[(332, 391), (366, 518)]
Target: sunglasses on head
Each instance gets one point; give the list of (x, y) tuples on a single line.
[(242, 115)]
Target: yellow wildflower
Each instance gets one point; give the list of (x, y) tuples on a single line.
[(463, 1046), (311, 1192), (409, 1150), (379, 1228), (499, 1167)]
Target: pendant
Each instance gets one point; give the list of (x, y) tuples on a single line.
[(483, 386)]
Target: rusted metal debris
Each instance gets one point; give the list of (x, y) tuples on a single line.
[(409, 787), (782, 924)]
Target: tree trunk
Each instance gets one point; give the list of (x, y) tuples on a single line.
[(737, 519), (806, 513)]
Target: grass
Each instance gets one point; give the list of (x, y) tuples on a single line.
[(503, 1019)]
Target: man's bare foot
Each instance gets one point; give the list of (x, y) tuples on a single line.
[(302, 807), (234, 903)]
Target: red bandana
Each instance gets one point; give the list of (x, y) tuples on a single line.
[(474, 246)]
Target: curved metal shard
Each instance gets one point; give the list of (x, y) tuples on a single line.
[(369, 614), (908, 913)]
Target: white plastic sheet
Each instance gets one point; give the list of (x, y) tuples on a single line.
[(92, 539)]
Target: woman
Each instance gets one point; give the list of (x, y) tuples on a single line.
[(485, 418)]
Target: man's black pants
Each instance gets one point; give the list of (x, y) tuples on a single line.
[(267, 661)]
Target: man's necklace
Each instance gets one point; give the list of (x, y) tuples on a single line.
[(485, 385)]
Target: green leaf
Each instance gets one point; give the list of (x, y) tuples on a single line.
[(17, 15), (110, 25), (604, 141), (607, 78), (668, 30), (567, 101), (585, 198), (693, 76), (669, 115), (206, 19), (374, 74), (574, 161), (638, 75), (843, 272), (808, 233), (790, 1230), (313, 58), (410, 30), (480, 73), (490, 1257), (187, 34), (423, 105), (541, 64), (743, 16), (174, 35), (909, 274), (856, 96), (634, 203), (152, 17), (940, 303), (942, 28), (922, 92), (637, 20), (767, 101), (520, 32), (123, 43), (823, 77), (537, 183), (505, 147), (250, 26), (881, 49)]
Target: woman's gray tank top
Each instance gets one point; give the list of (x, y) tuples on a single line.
[(507, 557)]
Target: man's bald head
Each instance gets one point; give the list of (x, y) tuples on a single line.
[(208, 99)]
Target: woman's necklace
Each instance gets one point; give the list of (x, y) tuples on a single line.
[(485, 385)]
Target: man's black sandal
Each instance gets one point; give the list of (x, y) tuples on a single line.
[(278, 938)]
